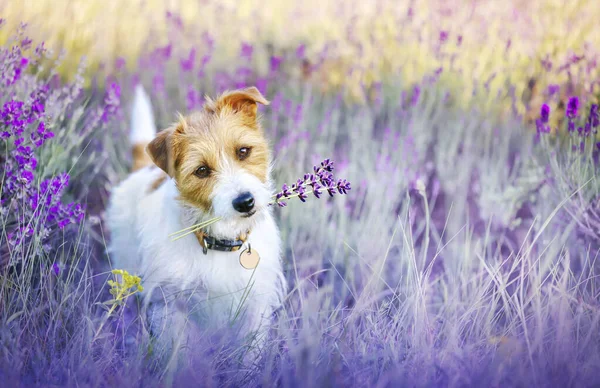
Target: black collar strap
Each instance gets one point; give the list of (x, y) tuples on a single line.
[(209, 242)]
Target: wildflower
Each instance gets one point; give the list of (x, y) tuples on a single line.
[(553, 89), (120, 63), (343, 186), (56, 269), (187, 64), (124, 286), (573, 107), (301, 51), (443, 36), (545, 113), (275, 63), (193, 98), (301, 194), (415, 96), (121, 288), (317, 190), (594, 117), (112, 101), (246, 51), (322, 179)]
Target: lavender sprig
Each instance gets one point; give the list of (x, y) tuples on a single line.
[(322, 180)]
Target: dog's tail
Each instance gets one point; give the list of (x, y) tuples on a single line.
[(143, 128)]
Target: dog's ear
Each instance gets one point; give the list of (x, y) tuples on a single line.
[(241, 100), (161, 149)]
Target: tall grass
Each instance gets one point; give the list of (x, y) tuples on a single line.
[(465, 254)]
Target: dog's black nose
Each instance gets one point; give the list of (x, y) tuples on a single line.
[(244, 203)]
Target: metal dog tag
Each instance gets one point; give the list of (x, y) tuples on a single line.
[(249, 258)]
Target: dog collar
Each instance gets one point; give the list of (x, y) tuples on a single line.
[(209, 242)]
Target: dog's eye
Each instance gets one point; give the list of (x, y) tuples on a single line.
[(202, 172), (243, 153)]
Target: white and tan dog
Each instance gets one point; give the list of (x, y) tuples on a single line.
[(213, 163)]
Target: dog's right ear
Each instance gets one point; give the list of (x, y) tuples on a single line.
[(161, 149)]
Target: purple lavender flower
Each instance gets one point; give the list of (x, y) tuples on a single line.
[(553, 89), (24, 128), (545, 113), (187, 64), (56, 269), (343, 186), (193, 98), (415, 96), (301, 51), (317, 190), (301, 194), (246, 51), (594, 117), (322, 179), (112, 101), (573, 107), (275, 63), (331, 189), (327, 165), (120, 63), (285, 190)]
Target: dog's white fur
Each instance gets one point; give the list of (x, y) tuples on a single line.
[(140, 220)]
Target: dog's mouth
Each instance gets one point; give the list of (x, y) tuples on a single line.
[(249, 214)]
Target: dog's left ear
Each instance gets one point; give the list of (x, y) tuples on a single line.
[(241, 100)]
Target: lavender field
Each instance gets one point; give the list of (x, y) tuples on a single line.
[(465, 253)]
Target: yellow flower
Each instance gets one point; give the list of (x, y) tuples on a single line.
[(124, 285)]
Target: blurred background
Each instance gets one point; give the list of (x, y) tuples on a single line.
[(351, 44)]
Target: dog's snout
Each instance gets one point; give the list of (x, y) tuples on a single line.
[(243, 203)]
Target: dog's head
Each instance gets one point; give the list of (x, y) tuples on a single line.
[(219, 157)]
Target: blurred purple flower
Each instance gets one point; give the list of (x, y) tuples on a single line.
[(275, 63), (573, 107), (120, 63), (415, 96), (193, 98), (56, 269), (158, 83), (246, 51), (112, 101), (553, 89), (594, 117), (545, 113), (187, 64), (301, 51)]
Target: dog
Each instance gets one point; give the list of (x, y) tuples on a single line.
[(212, 163)]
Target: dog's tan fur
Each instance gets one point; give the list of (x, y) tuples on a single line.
[(140, 157), (157, 183), (212, 138)]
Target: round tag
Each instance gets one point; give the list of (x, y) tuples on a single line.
[(249, 258)]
